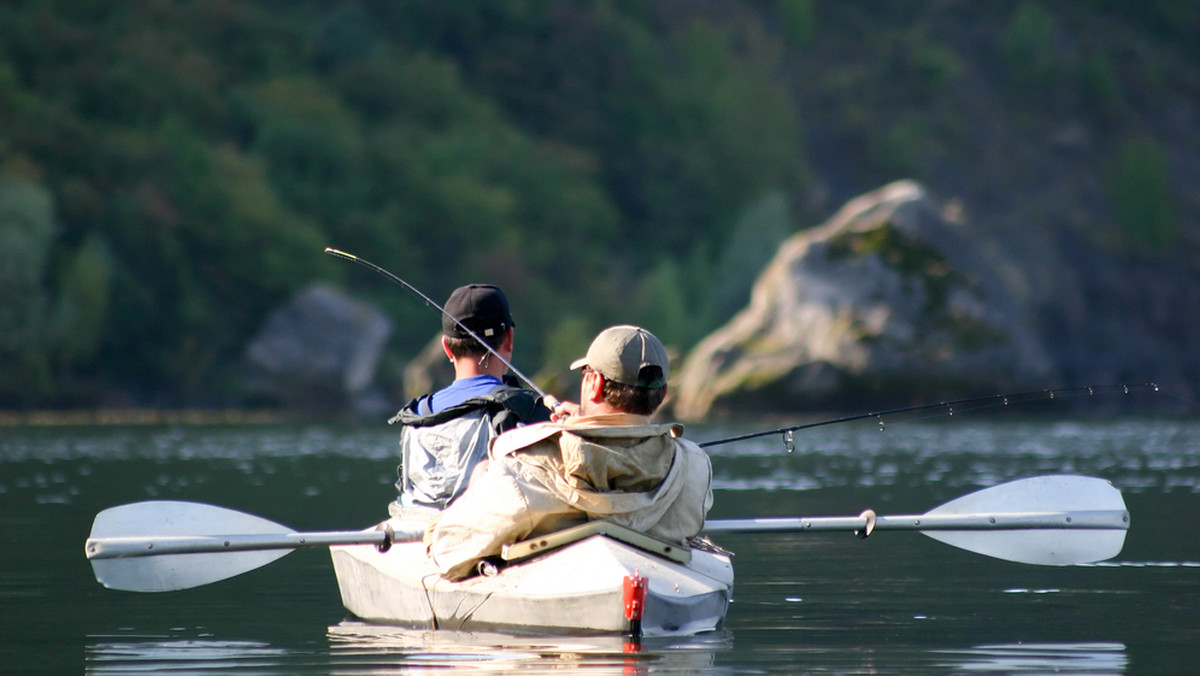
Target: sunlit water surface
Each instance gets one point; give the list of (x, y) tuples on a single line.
[(804, 603)]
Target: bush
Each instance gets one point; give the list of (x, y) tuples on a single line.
[(1029, 45), (26, 232), (799, 19), (1138, 182)]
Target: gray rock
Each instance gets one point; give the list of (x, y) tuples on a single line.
[(322, 347), (886, 293), (429, 371)]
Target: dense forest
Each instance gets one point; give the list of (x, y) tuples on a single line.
[(171, 170)]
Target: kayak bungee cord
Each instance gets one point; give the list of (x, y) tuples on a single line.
[(429, 301), (980, 402)]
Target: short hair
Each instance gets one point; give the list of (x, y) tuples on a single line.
[(469, 347), (633, 399)]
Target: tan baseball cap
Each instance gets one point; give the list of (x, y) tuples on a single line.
[(620, 353)]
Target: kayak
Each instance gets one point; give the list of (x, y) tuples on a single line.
[(596, 578)]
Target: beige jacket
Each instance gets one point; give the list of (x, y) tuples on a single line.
[(545, 477)]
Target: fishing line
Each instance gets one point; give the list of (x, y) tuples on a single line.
[(429, 301), (951, 408)]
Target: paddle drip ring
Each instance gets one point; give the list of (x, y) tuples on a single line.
[(389, 537), (868, 526)]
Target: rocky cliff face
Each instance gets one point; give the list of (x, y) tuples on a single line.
[(319, 352), (891, 299)]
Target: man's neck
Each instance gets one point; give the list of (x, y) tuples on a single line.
[(468, 367)]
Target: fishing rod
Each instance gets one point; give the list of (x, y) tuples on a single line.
[(550, 401), (995, 399)]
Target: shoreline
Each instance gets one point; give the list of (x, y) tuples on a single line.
[(83, 417)]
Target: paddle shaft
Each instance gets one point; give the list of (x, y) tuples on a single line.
[(1074, 520), (124, 547)]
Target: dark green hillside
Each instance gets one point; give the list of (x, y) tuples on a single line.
[(171, 170)]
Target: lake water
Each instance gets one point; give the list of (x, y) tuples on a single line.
[(897, 602)]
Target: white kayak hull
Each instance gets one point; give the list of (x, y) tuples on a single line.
[(577, 588)]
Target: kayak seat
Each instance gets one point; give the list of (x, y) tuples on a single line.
[(551, 541)]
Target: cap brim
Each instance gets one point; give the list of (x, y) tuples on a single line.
[(579, 363)]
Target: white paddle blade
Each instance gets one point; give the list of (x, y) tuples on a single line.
[(169, 572), (1041, 546)]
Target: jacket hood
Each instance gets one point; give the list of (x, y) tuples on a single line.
[(628, 473)]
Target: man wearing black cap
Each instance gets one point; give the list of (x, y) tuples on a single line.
[(603, 458), (447, 433)]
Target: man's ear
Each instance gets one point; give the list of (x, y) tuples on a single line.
[(594, 388), (446, 349)]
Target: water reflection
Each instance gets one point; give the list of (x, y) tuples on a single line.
[(130, 654), (356, 647), (361, 648), (1041, 658)]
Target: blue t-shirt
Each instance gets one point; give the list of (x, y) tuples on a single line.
[(457, 392)]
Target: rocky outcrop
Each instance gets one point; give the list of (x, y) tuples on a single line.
[(320, 350), (887, 296), (429, 371)]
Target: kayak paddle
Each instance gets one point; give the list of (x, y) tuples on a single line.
[(1055, 520), (1048, 520), (165, 545)]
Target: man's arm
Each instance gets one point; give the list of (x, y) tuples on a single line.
[(492, 512)]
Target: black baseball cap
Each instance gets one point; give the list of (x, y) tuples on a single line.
[(483, 308)]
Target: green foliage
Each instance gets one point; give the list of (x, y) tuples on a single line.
[(603, 160), (799, 19), (1174, 21), (934, 67), (899, 148), (755, 240), (1102, 92), (748, 138), (685, 123), (26, 230), (310, 143), (1029, 45), (84, 298), (566, 342), (1139, 184), (661, 304)]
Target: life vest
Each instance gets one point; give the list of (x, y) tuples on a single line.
[(438, 451)]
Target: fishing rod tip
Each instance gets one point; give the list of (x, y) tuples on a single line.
[(339, 252)]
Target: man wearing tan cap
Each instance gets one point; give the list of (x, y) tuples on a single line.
[(447, 433), (606, 461)]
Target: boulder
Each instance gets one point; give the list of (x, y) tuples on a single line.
[(429, 371), (319, 349), (886, 296)]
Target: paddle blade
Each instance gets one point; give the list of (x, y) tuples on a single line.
[(169, 572), (1041, 546)]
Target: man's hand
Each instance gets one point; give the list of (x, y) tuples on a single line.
[(560, 410)]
